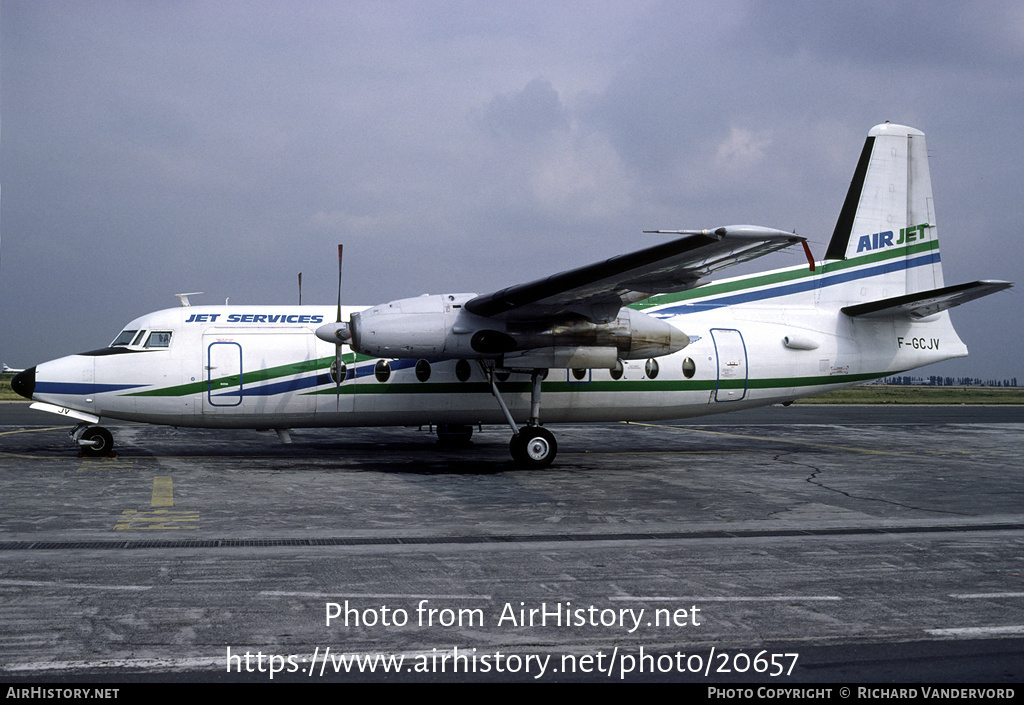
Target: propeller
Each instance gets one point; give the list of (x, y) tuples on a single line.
[(337, 333), (337, 345)]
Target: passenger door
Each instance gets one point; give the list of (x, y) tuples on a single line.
[(731, 384)]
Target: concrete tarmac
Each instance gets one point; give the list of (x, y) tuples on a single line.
[(806, 544)]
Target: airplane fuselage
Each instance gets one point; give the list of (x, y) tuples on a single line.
[(262, 366)]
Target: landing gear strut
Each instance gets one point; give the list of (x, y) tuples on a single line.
[(531, 446)]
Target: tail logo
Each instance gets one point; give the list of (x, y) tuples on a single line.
[(878, 241)]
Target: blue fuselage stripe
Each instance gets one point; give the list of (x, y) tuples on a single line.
[(81, 388), (809, 284)]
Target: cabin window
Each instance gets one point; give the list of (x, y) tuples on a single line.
[(382, 370), (689, 368), (422, 370), (579, 373), (123, 339), (616, 372), (651, 368), (463, 370), (339, 373), (159, 339)]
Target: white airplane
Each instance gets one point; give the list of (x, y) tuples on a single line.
[(637, 337)]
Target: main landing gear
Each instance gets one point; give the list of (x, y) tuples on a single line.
[(95, 441), (531, 446)]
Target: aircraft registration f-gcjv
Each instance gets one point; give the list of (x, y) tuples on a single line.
[(637, 337)]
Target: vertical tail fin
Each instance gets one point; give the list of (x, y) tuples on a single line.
[(883, 260), (888, 218)]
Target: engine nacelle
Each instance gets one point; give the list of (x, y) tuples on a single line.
[(438, 327), (644, 336), (420, 327), (633, 335)]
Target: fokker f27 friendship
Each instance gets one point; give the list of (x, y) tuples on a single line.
[(637, 337)]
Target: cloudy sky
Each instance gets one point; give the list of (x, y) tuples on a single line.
[(150, 148)]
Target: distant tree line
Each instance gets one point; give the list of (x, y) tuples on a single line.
[(939, 381)]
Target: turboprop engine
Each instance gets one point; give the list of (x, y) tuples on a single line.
[(438, 327)]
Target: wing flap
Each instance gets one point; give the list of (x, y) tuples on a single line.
[(597, 291)]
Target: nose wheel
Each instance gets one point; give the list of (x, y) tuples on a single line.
[(95, 441)]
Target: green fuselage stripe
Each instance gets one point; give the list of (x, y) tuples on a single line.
[(785, 276), (624, 385), (200, 387)]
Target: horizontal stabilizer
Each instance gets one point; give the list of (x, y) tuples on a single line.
[(926, 303)]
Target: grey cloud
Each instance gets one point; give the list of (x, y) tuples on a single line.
[(534, 112)]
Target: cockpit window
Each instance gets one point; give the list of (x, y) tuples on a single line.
[(123, 339), (138, 338), (159, 339)]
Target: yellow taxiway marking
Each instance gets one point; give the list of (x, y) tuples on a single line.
[(157, 519), (163, 492), (162, 496), (27, 430), (33, 430), (93, 464)]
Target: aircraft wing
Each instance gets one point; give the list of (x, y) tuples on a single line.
[(598, 291)]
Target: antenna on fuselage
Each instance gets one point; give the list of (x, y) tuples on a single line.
[(184, 297), (300, 288)]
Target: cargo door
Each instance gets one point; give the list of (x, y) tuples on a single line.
[(223, 372), (270, 373)]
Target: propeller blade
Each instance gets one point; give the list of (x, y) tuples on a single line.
[(339, 284), (337, 344)]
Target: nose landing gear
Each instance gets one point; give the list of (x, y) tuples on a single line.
[(95, 441)]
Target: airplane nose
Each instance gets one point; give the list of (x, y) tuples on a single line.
[(24, 383)]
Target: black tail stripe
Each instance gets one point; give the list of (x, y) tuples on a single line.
[(844, 226)]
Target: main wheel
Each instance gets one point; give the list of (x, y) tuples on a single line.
[(533, 447), (98, 441)]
